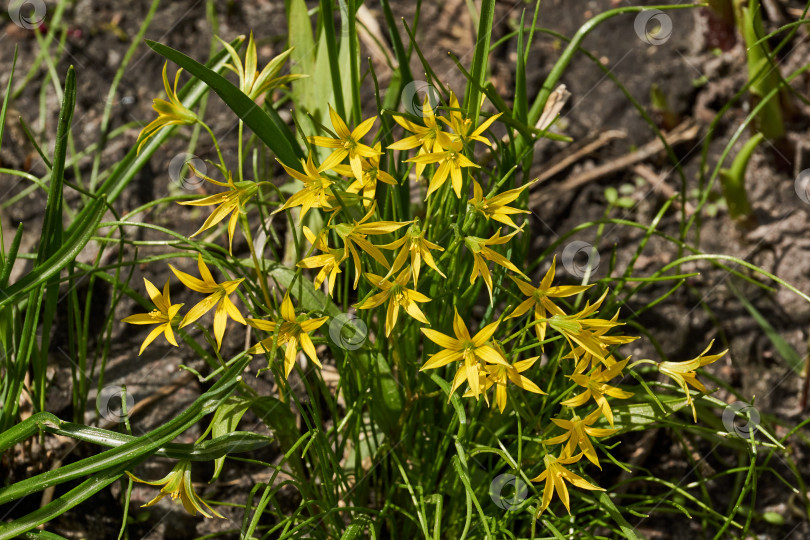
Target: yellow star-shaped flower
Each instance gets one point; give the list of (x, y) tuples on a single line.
[(290, 331), (413, 243), (231, 202), (450, 161), (348, 143), (397, 295), (495, 207), (499, 376), (482, 253), (462, 126), (178, 484), (170, 113), (472, 350), (163, 315), (366, 186), (596, 387), (354, 236), (539, 298), (428, 138), (683, 373), (251, 82), (329, 261), (219, 294), (578, 433), (314, 194), (555, 476)]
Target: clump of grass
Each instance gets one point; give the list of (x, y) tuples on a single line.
[(436, 410)]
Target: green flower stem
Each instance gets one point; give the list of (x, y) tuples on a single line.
[(216, 145), (642, 361), (259, 267), (240, 156)]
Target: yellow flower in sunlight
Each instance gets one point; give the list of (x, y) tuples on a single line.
[(170, 113), (578, 433), (430, 137), (347, 143), (178, 484), (481, 250), (356, 233), (580, 329), (397, 295), (367, 184), (462, 126), (292, 332), (231, 202), (683, 373), (413, 242), (500, 375), (314, 194), (596, 387), (218, 295), (251, 82), (495, 206), (162, 316), (450, 161), (540, 299), (555, 476), (586, 359), (472, 350), (328, 262)]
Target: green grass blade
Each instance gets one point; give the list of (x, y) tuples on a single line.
[(52, 231), (52, 226), (25, 429), (10, 257), (79, 234), (328, 29), (480, 58), (788, 353), (104, 129), (5, 100)]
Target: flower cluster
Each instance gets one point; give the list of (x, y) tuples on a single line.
[(355, 240)]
